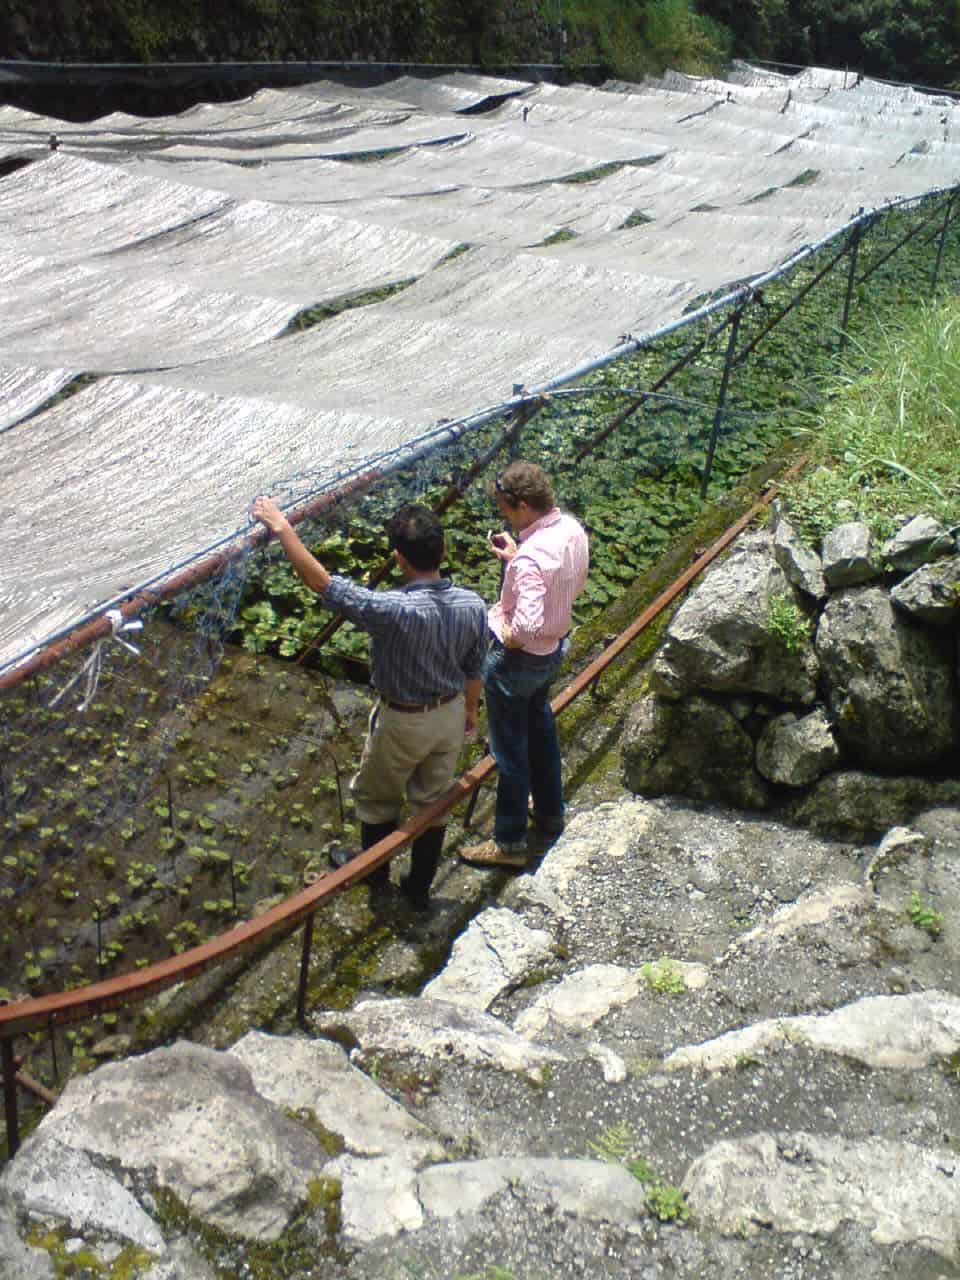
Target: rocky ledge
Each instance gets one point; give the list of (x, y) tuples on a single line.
[(691, 1044), (819, 685)]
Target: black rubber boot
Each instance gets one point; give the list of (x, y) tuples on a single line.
[(371, 833), (424, 860)]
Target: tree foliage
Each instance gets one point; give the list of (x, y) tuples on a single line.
[(912, 40)]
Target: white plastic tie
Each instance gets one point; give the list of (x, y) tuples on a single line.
[(93, 664)]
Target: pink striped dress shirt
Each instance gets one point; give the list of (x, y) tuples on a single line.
[(541, 583)]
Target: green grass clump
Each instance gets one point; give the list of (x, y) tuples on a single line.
[(616, 1145), (663, 977), (923, 916), (787, 622), (887, 442)]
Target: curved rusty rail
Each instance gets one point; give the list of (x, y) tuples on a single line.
[(63, 1008)]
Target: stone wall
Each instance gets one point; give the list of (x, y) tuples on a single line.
[(824, 686)]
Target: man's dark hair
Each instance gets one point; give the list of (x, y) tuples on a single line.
[(416, 533)]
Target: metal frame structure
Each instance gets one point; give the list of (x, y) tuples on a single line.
[(45, 1013), (732, 306), (732, 312)]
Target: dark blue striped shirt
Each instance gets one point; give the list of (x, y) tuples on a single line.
[(427, 638)]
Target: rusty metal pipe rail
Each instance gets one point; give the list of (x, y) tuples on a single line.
[(63, 1008), (98, 628)]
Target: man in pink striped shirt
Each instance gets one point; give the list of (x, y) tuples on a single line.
[(544, 572)]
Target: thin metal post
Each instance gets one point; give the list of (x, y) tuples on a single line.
[(339, 782), (678, 365), (914, 231), (792, 305), (233, 886), (855, 237), (721, 397), (96, 916), (53, 1049), (947, 218), (304, 968), (474, 794), (10, 1096)]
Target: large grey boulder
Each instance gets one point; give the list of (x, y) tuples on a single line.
[(847, 556), (932, 594), (586, 997), (189, 1119), (900, 1032), (794, 751), (721, 639), (798, 1182), (17, 1260), (496, 953), (862, 805), (437, 1031), (181, 1262), (50, 1178), (891, 682), (920, 541), (694, 748), (585, 1189), (316, 1077), (799, 562)]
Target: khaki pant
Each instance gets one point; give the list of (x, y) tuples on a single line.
[(410, 754)]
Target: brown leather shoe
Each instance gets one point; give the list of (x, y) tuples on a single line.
[(491, 854)]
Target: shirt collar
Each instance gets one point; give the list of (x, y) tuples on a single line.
[(423, 584), (544, 522)]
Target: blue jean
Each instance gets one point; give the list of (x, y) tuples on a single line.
[(523, 739)]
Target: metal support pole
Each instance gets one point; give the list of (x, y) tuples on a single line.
[(475, 793), (96, 916), (10, 1096), (721, 397), (53, 1049), (855, 237), (233, 886), (304, 969), (947, 219)]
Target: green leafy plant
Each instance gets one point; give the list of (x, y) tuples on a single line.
[(664, 977), (924, 917), (616, 1145), (787, 621)]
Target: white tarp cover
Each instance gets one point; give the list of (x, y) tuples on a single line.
[(170, 255)]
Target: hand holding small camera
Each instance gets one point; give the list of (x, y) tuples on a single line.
[(502, 545)]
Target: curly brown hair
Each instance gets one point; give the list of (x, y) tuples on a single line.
[(525, 482)]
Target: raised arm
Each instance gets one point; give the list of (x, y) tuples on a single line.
[(306, 566)]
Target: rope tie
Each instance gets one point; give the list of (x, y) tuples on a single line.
[(94, 663)]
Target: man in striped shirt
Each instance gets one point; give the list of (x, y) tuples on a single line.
[(544, 572), (428, 639)]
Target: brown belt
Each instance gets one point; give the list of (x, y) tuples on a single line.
[(420, 706)]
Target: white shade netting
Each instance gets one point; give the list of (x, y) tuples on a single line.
[(170, 256)]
